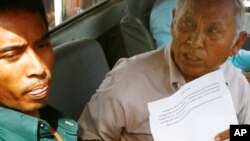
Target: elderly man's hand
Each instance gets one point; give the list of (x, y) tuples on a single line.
[(223, 135)]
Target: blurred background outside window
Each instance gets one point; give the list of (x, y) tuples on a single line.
[(59, 11)]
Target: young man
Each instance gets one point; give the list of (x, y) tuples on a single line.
[(204, 34), (26, 60)]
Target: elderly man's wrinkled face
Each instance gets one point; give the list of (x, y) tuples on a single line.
[(203, 36), (26, 60)]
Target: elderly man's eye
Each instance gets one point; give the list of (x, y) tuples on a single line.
[(215, 33), (187, 26), (187, 23)]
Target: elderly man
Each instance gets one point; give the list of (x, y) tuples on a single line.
[(160, 23), (26, 60), (204, 34)]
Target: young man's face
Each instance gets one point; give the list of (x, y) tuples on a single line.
[(203, 36), (26, 60)]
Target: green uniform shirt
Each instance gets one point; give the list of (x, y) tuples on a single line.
[(17, 126)]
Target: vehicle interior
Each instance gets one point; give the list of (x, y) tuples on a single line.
[(88, 44)]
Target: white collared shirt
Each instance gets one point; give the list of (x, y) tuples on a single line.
[(118, 111)]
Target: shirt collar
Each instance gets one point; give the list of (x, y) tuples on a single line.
[(57, 120), (224, 67), (176, 78)]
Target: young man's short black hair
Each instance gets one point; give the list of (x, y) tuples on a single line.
[(30, 5)]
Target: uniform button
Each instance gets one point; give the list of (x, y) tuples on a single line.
[(69, 123), (41, 125)]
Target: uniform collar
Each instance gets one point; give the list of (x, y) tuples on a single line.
[(24, 125), (19, 123)]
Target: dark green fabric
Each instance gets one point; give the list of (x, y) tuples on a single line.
[(17, 126)]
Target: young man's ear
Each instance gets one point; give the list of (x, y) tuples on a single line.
[(239, 43)]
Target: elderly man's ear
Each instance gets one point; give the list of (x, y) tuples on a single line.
[(173, 15), (239, 43)]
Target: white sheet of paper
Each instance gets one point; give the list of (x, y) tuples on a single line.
[(197, 112)]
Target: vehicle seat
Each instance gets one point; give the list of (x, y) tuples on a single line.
[(80, 66), (135, 27)]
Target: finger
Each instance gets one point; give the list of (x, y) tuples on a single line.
[(223, 135)]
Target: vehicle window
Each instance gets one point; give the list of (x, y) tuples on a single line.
[(59, 11)]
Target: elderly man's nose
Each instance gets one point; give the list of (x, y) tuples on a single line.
[(196, 40)]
